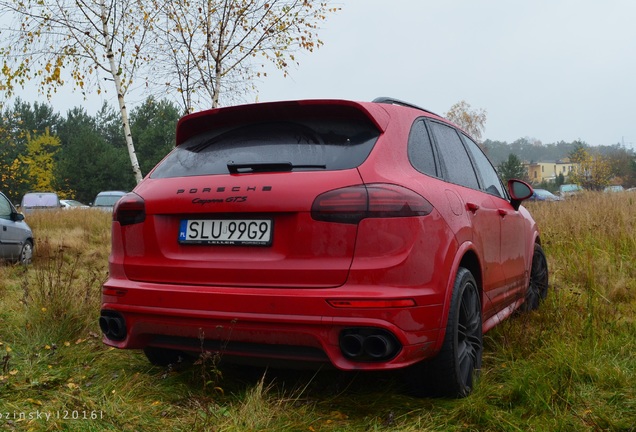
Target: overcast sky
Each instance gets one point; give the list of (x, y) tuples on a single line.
[(545, 69)]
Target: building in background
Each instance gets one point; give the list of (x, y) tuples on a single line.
[(549, 171)]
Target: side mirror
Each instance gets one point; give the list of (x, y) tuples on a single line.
[(17, 217), (519, 191)]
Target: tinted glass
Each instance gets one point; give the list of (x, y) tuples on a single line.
[(5, 208), (489, 178), (459, 168), (106, 200), (307, 145), (421, 150)]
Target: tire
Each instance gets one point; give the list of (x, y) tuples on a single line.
[(164, 356), (538, 285), (453, 371), (26, 253)]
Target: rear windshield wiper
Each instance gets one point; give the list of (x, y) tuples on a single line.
[(257, 167)]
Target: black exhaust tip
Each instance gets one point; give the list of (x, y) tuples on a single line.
[(368, 344), (352, 345), (378, 346), (113, 325)]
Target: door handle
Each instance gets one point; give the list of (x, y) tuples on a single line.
[(472, 207)]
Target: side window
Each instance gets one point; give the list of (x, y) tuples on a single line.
[(421, 150), (459, 168), (489, 178), (5, 208)]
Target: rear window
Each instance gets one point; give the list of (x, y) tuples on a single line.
[(40, 200), (107, 200), (300, 145), (570, 188)]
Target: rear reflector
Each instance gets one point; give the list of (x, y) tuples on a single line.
[(370, 303), (130, 209), (379, 200), (114, 292)]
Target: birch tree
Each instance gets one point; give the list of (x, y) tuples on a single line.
[(215, 49), (89, 44)]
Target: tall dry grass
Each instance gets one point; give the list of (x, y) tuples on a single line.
[(569, 366), (60, 292)]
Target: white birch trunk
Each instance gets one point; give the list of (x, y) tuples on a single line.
[(120, 96)]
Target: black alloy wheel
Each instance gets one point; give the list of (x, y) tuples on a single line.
[(164, 356), (538, 285), (452, 372)]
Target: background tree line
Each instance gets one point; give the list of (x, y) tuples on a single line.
[(599, 166), (77, 154), (530, 150)]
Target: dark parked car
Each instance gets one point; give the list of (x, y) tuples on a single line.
[(16, 238), (363, 235), (544, 195)]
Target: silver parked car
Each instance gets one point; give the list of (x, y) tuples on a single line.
[(106, 200), (72, 204), (16, 238)]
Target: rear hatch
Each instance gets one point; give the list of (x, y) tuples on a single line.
[(232, 204), (40, 200)]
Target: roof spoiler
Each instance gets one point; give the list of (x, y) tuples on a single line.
[(392, 101)]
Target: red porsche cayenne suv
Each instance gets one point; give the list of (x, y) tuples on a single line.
[(365, 235)]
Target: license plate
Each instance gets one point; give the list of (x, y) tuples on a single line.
[(246, 232)]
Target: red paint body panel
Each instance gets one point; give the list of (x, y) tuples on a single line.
[(271, 302)]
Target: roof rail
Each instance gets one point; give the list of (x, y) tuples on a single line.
[(392, 101)]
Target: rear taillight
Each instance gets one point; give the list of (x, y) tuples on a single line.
[(354, 203), (129, 210)]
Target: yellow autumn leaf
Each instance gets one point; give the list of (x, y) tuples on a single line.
[(71, 386), (67, 344), (13, 372), (47, 347)]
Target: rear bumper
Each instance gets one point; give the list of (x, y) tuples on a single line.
[(265, 325)]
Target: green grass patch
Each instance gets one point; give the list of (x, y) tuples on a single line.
[(569, 366)]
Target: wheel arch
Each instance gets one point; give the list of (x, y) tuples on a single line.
[(467, 258)]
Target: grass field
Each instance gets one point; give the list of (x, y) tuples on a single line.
[(570, 366)]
